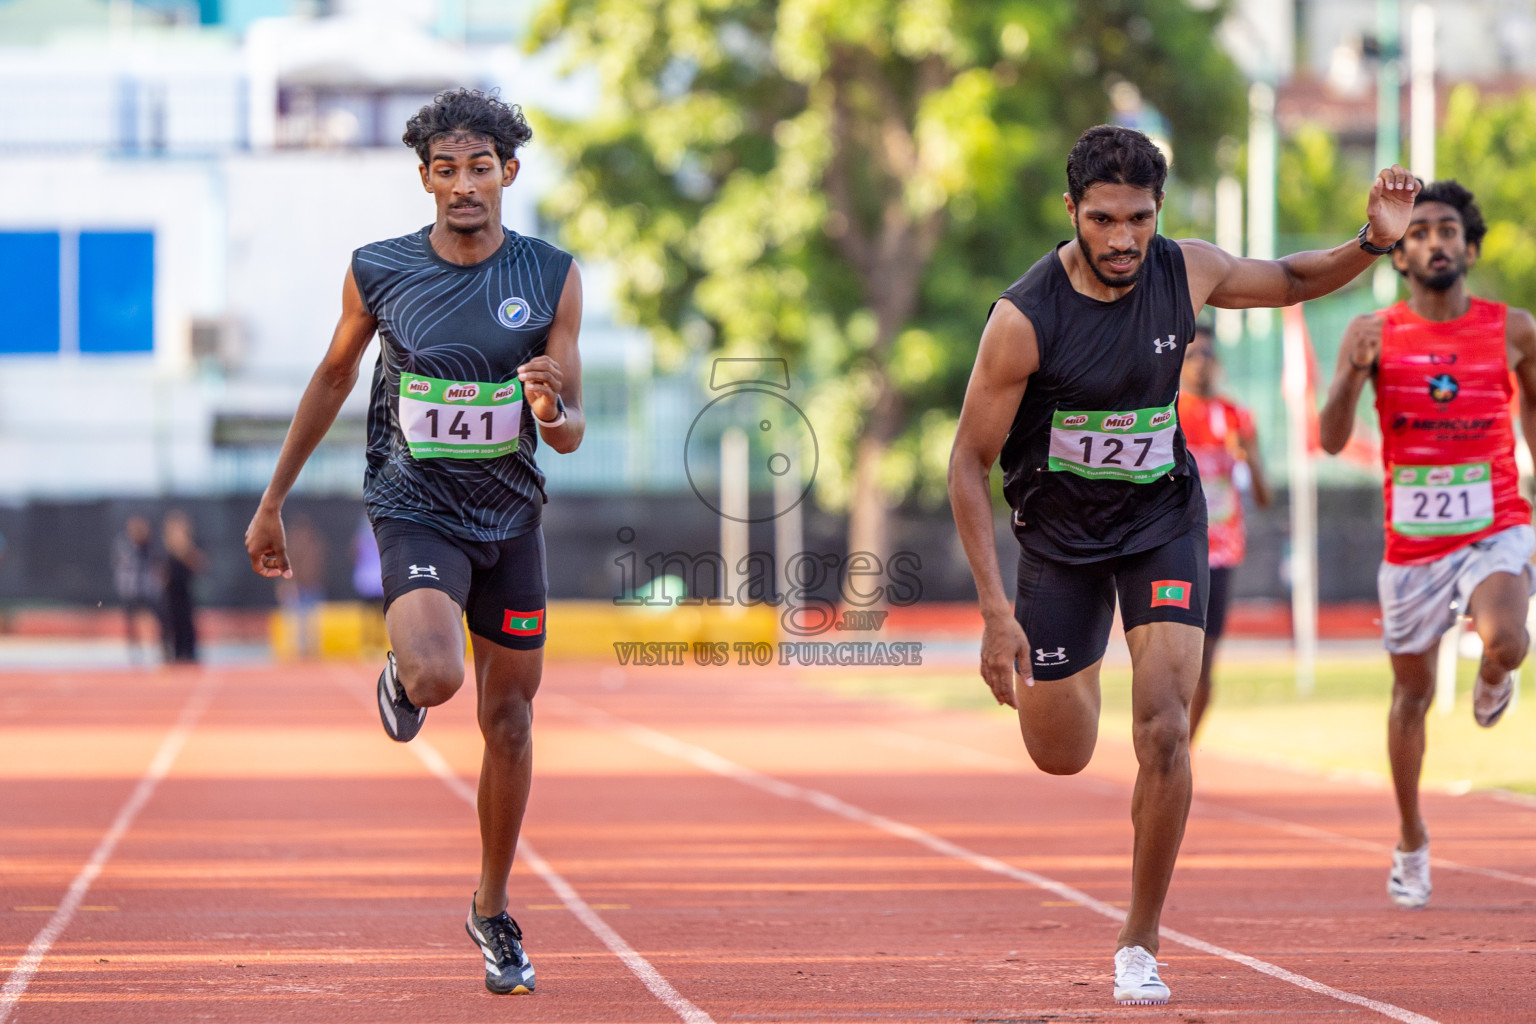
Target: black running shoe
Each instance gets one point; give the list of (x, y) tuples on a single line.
[(402, 719), (501, 942)]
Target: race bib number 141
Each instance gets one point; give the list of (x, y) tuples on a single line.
[(447, 419), (1135, 446)]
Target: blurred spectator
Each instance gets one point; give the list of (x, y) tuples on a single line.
[(137, 579), (367, 570), (183, 561), (300, 595)]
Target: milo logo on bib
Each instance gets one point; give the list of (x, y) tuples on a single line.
[(1135, 446), (452, 419), (1438, 501)]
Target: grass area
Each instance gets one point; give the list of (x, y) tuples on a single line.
[(1341, 727)]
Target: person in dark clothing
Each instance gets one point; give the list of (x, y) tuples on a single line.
[(137, 580), (183, 561)]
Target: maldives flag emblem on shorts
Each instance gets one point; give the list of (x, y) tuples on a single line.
[(1170, 592), (532, 623)]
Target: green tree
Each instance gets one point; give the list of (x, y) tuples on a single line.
[(851, 183), (1321, 191), (1490, 147)]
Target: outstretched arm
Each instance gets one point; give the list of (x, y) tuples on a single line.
[(327, 390), (1248, 449), (1008, 354), (1218, 278), (1358, 354)]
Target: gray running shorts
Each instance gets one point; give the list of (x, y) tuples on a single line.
[(1420, 602)]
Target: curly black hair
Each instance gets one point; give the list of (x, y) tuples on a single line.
[(1109, 154), (468, 112), (1456, 195)]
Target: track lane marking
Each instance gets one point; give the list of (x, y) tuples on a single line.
[(713, 763), (985, 759), (159, 766), (580, 908)]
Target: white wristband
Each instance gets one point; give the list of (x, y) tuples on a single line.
[(550, 424)]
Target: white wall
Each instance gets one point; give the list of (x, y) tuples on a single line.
[(260, 240), (1474, 38)]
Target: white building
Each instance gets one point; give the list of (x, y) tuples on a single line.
[(178, 205)]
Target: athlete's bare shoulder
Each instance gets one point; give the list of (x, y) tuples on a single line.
[(1205, 264), (1520, 335), (1010, 349)]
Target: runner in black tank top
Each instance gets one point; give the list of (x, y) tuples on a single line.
[(1096, 355), (1076, 388), (478, 361)]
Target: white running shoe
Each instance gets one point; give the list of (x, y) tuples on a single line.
[(1408, 884), (1136, 980), (1490, 702)]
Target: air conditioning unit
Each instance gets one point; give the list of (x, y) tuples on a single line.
[(215, 343)]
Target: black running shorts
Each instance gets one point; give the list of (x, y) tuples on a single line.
[(1216, 607), (500, 584), (1067, 609)]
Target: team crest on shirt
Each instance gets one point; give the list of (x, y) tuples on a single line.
[(1443, 388), (513, 313)]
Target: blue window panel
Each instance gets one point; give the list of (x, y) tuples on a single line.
[(117, 291), (29, 292)]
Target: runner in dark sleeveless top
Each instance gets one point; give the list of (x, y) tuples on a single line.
[(1459, 539), (1076, 388), (478, 360)]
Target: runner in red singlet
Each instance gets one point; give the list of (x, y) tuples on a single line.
[(1219, 434), (1459, 538)]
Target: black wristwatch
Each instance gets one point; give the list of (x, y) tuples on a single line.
[(1374, 250), (559, 414)]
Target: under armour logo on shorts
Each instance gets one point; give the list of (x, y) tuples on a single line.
[(1045, 657), (419, 572)]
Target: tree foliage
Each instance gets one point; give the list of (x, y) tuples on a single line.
[(1490, 147), (851, 183), (1321, 191)]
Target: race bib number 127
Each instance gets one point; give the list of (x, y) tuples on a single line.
[(1135, 446), (448, 419)]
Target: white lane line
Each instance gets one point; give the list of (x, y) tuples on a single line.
[(648, 975), (711, 762), (984, 759), (1339, 839), (159, 767)]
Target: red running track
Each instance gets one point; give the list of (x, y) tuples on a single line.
[(255, 850)]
